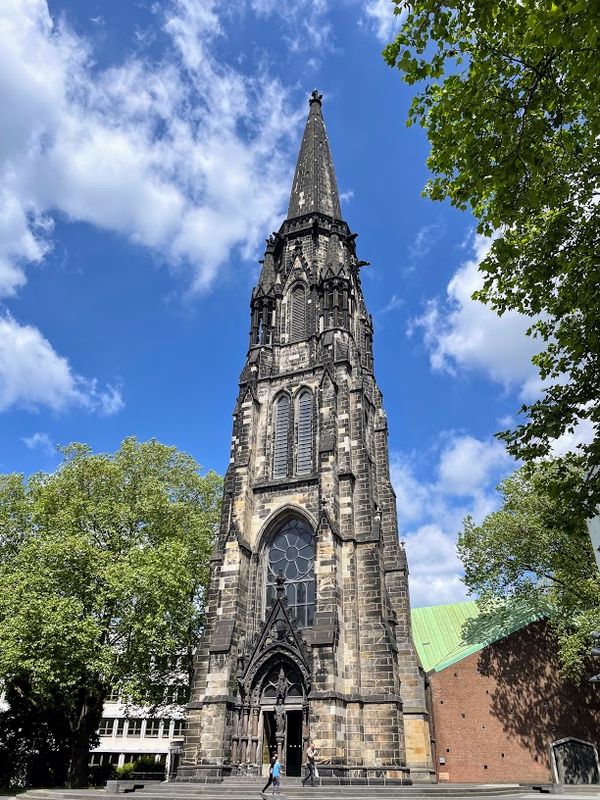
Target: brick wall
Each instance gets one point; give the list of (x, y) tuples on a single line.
[(497, 711)]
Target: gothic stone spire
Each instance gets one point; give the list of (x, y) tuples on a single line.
[(315, 186), (308, 492)]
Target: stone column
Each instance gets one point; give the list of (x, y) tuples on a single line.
[(254, 734), (235, 738)]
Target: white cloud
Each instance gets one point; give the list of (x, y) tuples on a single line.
[(506, 421), (381, 20), (305, 22), (346, 197), (435, 571), (411, 495), (430, 513), (583, 432), (40, 441), (395, 301), (424, 240), (428, 590), (33, 374), (464, 334), (466, 464), (187, 156)]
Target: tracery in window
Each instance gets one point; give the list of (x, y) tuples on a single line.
[(292, 553), (292, 681)]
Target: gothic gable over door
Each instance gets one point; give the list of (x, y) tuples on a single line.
[(279, 644)]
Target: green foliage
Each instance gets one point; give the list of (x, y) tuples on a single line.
[(148, 764), (102, 576), (35, 739), (533, 556), (508, 93), (125, 771)]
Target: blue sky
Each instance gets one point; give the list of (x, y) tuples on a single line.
[(147, 150)]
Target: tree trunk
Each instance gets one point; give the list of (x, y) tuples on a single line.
[(85, 728), (78, 768)]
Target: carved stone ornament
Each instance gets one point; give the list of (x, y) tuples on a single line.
[(279, 639)]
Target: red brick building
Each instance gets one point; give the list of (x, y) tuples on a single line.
[(498, 707)]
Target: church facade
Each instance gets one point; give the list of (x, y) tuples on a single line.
[(308, 631)]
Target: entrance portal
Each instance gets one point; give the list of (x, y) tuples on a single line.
[(293, 745)]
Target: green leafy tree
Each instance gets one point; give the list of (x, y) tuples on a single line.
[(103, 566), (508, 93), (534, 556)]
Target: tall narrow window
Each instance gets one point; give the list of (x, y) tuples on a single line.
[(298, 314), (280, 454), (304, 442)]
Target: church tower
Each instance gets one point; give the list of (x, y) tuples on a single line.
[(308, 619)]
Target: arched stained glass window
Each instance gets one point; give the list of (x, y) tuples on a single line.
[(298, 314), (292, 552), (304, 434), (280, 450)]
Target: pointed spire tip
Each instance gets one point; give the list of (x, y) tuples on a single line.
[(314, 187)]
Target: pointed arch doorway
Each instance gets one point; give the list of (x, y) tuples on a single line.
[(284, 714), (274, 682)]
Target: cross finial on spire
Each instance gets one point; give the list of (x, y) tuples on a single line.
[(315, 97)]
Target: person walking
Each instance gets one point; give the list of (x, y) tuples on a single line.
[(311, 754), (270, 781), (277, 776)]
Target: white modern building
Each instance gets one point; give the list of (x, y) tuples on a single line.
[(127, 733)]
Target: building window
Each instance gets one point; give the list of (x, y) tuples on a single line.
[(120, 727), (153, 727), (134, 727), (292, 553), (178, 727), (113, 695), (106, 727), (298, 314), (282, 422), (101, 759), (304, 434)]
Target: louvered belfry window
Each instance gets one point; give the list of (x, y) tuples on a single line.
[(298, 314), (280, 453), (304, 444)]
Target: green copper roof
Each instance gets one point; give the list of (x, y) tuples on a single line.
[(438, 630)]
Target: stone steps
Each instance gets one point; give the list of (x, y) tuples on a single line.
[(292, 789)]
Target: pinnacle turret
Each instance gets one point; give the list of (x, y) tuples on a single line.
[(315, 186)]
